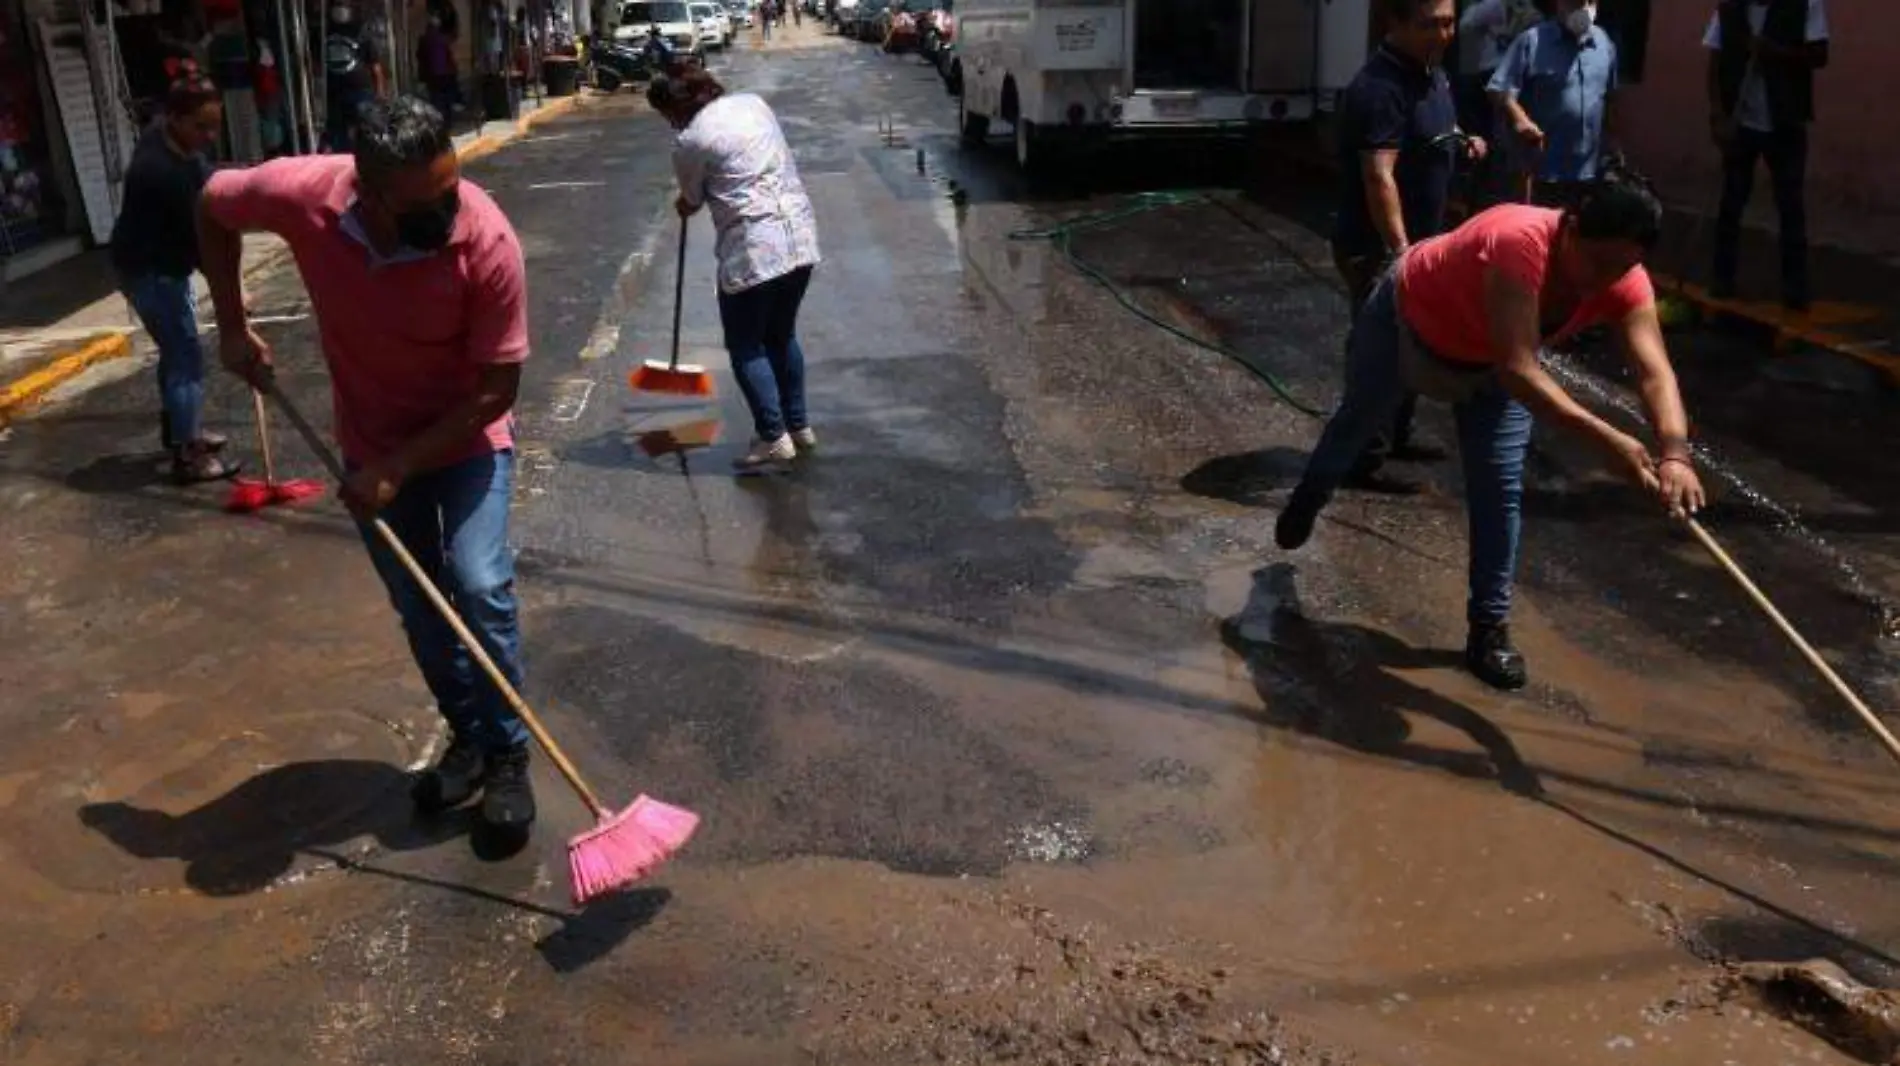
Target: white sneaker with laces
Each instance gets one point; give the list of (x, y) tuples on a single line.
[(766, 453), (805, 439)]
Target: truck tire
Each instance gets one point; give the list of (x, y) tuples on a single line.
[(975, 128)]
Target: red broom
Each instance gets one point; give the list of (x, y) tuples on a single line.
[(249, 495), (670, 376), (626, 845)]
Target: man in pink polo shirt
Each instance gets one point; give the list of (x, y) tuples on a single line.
[(1463, 318), (418, 286)]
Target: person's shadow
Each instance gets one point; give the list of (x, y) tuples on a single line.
[(245, 840), (249, 837), (1336, 682)]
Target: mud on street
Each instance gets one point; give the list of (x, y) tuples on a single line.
[(1015, 738)]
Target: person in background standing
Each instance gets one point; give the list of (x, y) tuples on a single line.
[(1485, 33), (1398, 133), (353, 74), (1763, 55), (435, 59), (154, 252), (731, 156), (768, 12), (1553, 89), (420, 294)]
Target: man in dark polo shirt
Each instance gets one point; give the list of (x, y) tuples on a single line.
[(1397, 126)]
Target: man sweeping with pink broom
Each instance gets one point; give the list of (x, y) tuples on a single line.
[(417, 283)]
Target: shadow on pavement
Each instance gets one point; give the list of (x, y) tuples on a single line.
[(585, 936), (1285, 652), (244, 840)]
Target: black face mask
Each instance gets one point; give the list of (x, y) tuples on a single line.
[(427, 229)]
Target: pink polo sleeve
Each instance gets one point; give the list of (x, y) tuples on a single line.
[(498, 288), (272, 196)]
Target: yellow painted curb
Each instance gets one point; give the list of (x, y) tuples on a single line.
[(19, 395), (486, 144), (1812, 328)]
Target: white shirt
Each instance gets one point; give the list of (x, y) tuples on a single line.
[(1751, 110), (733, 158), (1487, 30)]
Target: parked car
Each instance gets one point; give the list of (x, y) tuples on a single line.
[(673, 18), (843, 17), (715, 26), (870, 25), (741, 14)]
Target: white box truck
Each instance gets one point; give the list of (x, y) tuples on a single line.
[(1068, 70)]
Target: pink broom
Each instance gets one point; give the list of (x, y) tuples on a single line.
[(249, 495), (624, 846)]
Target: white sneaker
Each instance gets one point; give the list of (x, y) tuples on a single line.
[(766, 453), (806, 440)]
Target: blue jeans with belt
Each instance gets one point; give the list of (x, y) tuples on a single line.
[(1494, 432), (455, 522), (761, 327), (168, 310)]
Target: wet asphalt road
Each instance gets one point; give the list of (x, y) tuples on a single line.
[(1014, 738)]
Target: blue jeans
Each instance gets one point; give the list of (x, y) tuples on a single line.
[(168, 310), (1494, 432), (761, 325), (455, 522)]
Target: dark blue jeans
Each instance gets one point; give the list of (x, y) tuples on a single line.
[(168, 310), (761, 326), (455, 522), (1494, 431)]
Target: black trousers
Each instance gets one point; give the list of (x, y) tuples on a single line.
[(1361, 273), (1786, 153)]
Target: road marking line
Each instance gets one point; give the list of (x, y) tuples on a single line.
[(570, 399), (567, 185)]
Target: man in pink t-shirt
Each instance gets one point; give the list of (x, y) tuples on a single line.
[(420, 296), (1462, 317)]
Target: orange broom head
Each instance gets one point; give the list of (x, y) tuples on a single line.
[(627, 846), (682, 380)]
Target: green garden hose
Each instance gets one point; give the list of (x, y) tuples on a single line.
[(1061, 238)]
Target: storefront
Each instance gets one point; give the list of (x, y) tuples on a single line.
[(36, 218)]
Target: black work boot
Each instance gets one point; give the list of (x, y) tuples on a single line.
[(453, 780), (1491, 656), (508, 799), (1295, 525)]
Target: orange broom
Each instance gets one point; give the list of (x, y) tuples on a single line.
[(670, 377), (249, 495), (624, 846)]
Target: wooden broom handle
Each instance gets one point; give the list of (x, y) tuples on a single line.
[(1814, 657), (263, 437), (679, 295), (448, 613)]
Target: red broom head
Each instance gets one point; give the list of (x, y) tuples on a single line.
[(248, 496), (298, 490), (627, 846)]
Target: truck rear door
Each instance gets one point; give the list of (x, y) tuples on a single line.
[(1190, 44), (1283, 46)]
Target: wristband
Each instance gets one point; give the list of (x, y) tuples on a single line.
[(1667, 459)]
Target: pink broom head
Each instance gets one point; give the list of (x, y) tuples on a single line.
[(248, 496), (627, 846)]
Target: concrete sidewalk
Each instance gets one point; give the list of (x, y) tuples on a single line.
[(59, 328)]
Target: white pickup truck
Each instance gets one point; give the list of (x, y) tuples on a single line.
[(674, 18), (1067, 70)]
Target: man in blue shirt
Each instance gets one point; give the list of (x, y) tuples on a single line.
[(1398, 147), (1553, 90)]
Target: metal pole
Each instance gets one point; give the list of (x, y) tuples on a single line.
[(301, 26), (284, 78)]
